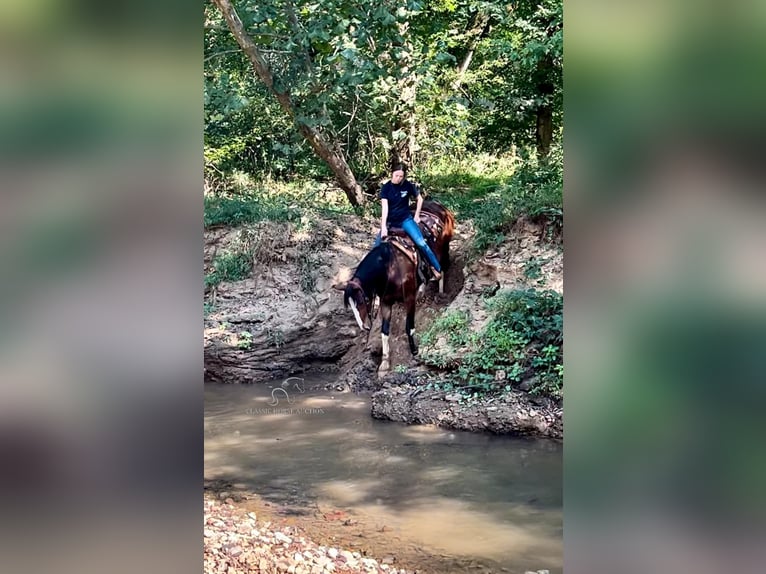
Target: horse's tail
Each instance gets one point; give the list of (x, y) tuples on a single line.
[(446, 216), (449, 225)]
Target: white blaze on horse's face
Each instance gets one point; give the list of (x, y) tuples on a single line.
[(356, 314)]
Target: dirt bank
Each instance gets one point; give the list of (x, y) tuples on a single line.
[(288, 318)]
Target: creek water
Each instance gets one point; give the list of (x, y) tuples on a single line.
[(447, 501)]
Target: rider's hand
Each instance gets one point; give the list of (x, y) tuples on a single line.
[(416, 218), (383, 232)]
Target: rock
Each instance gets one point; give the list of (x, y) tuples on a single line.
[(527, 384), (452, 398), (332, 553), (280, 537), (348, 558), (298, 557)]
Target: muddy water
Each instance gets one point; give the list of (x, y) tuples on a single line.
[(437, 500)]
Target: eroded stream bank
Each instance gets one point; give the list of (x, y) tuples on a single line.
[(272, 326)]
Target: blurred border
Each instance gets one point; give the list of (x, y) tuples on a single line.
[(101, 290), (666, 281)]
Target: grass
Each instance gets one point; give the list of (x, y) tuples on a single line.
[(229, 267), (495, 193), (491, 191), (522, 341), (274, 201)]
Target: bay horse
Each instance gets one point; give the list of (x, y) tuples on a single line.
[(390, 271)]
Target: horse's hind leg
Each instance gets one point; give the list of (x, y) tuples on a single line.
[(385, 327), (445, 263)]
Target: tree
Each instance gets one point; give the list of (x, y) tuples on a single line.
[(323, 148), (518, 84), (303, 86)]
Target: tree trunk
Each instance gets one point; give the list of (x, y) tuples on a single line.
[(404, 119), (544, 130), (322, 148), (478, 29), (402, 149), (544, 134)]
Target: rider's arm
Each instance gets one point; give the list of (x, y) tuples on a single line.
[(417, 208), (383, 217)]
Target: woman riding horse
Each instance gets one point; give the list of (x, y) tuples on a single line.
[(395, 203), (392, 275)]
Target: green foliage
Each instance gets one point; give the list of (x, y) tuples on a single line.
[(522, 340), (371, 77), (229, 267), (494, 194), (540, 186), (453, 326), (245, 340), (521, 72), (274, 337), (233, 211), (533, 268), (275, 201)]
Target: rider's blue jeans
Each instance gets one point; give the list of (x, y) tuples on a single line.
[(412, 229)]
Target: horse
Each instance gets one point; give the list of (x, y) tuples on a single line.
[(391, 272)]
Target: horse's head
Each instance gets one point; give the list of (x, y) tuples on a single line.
[(355, 297)]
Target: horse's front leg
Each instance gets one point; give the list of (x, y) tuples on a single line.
[(410, 325), (385, 327)]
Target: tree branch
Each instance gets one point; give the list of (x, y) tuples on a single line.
[(477, 30)]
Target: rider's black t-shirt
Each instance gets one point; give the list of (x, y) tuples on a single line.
[(398, 197)]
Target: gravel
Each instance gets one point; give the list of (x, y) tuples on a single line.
[(236, 541)]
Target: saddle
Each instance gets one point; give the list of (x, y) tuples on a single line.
[(399, 239), (431, 225)]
